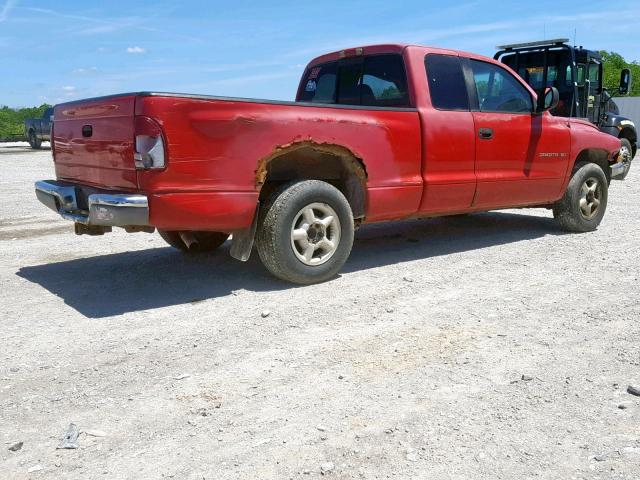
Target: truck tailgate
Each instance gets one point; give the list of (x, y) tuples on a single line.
[(93, 142)]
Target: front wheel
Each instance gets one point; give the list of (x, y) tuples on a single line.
[(306, 232), (584, 202), (194, 241), (626, 153)]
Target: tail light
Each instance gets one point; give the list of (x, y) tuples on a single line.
[(149, 152)]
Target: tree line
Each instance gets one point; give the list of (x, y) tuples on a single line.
[(612, 63), (12, 120)]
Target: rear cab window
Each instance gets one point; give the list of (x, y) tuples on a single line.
[(375, 80), (447, 86)]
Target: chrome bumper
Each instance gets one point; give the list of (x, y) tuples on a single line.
[(109, 210), (619, 170)]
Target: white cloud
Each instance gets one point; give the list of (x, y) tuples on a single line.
[(68, 88), (85, 71), (6, 9), (136, 50)]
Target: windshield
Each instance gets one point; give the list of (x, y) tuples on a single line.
[(530, 66)]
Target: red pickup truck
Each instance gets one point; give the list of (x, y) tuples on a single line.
[(376, 133)]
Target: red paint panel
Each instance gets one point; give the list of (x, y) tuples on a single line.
[(389, 203), (448, 159), (516, 193), (215, 145), (447, 198), (105, 159), (525, 161), (586, 136), (214, 211)]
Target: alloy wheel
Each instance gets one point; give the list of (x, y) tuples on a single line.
[(315, 234), (590, 197)]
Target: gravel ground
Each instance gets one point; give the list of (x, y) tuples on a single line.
[(484, 347)]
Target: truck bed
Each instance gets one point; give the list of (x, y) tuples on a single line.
[(215, 145)]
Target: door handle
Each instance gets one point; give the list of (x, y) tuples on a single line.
[(485, 133)]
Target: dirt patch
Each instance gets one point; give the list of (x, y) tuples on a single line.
[(20, 221), (25, 233)]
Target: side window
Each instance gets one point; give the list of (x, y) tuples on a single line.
[(319, 85), (567, 77), (498, 90), (384, 82), (594, 75), (581, 75), (446, 82)]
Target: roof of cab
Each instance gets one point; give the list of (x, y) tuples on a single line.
[(399, 48), (388, 48)]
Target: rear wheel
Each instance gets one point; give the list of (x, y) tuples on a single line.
[(34, 141), (306, 232), (584, 202), (194, 241)]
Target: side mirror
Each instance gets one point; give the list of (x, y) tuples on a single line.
[(625, 81), (548, 99)]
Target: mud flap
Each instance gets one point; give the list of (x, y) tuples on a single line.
[(242, 240)]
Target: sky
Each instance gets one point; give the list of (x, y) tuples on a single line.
[(57, 51)]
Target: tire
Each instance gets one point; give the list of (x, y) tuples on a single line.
[(204, 241), (34, 141), (627, 152), (585, 201), (312, 208)]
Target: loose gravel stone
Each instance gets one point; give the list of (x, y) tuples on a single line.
[(326, 468), (16, 446)]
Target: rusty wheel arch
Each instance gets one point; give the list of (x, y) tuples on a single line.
[(307, 160)]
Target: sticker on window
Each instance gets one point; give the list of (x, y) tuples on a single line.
[(311, 86), (314, 73)]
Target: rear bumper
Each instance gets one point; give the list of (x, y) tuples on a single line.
[(100, 209)]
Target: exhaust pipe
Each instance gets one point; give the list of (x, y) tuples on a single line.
[(189, 240)]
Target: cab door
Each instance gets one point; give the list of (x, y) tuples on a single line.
[(448, 138), (521, 156)]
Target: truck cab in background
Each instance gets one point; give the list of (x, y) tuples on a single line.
[(577, 73), (38, 130)]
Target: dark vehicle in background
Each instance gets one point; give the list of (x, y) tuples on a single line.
[(577, 74), (38, 130)]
